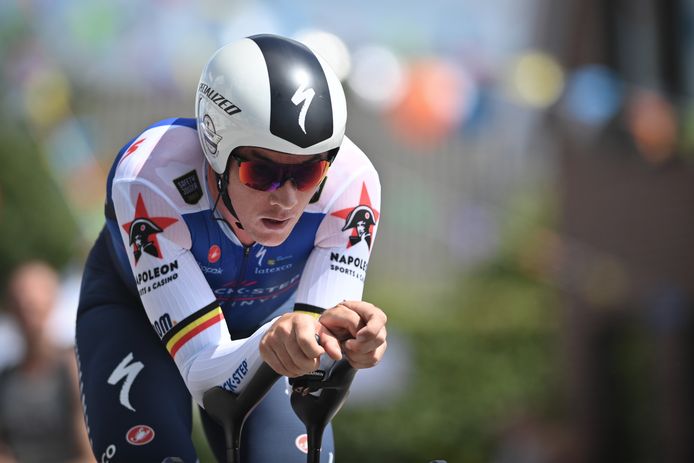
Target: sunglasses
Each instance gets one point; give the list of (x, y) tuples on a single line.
[(270, 176)]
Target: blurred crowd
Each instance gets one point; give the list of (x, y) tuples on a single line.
[(40, 408)]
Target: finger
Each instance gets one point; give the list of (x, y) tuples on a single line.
[(288, 360), (271, 358), (331, 344), (372, 330), (363, 344), (368, 360), (373, 317), (366, 310), (303, 363), (342, 321), (305, 337)]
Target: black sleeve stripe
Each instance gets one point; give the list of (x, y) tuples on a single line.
[(186, 321), (308, 308)]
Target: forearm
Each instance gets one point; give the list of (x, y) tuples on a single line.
[(228, 364)]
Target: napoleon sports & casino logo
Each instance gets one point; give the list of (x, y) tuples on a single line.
[(360, 219)]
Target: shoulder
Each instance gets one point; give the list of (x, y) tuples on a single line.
[(167, 158), (352, 175)]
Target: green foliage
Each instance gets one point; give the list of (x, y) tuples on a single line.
[(482, 356), (484, 353), (35, 221)]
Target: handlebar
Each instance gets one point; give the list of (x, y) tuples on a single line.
[(230, 410), (316, 398)]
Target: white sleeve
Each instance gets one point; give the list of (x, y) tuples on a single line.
[(336, 268), (178, 301)]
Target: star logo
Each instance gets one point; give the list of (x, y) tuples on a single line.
[(361, 219), (143, 231)]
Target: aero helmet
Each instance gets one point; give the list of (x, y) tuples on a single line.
[(270, 92)]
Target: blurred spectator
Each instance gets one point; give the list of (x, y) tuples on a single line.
[(40, 411)]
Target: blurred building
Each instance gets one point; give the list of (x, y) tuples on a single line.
[(626, 189)]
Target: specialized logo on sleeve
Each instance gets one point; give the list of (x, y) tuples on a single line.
[(127, 372), (143, 231), (188, 185), (360, 219), (140, 435)]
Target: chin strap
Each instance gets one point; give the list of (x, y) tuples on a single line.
[(222, 184)]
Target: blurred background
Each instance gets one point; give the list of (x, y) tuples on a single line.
[(536, 248)]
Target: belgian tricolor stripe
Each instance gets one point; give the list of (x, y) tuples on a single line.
[(193, 324)]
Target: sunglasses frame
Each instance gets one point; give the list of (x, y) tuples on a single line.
[(331, 157)]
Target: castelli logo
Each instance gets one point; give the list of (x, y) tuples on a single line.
[(214, 254), (302, 443), (140, 435)]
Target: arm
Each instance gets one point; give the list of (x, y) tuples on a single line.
[(178, 301), (335, 272)]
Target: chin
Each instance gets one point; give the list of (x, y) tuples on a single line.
[(271, 239)]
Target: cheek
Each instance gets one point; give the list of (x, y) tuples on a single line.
[(304, 198), (244, 202)]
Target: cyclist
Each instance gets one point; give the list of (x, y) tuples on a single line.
[(227, 243)]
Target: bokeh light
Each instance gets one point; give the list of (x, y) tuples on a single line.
[(652, 121), (377, 77), (46, 97), (330, 47), (433, 104), (593, 95), (535, 80)]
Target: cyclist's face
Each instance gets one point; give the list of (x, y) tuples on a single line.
[(268, 216)]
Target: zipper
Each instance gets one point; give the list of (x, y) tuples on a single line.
[(242, 269), (244, 262)]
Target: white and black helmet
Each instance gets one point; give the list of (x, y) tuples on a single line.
[(269, 92)]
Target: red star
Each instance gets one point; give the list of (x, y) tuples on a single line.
[(364, 200), (161, 222)]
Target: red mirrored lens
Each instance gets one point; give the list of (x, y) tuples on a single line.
[(266, 176)]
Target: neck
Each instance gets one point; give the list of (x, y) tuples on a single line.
[(242, 235), (38, 353)]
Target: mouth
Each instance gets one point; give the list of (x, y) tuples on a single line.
[(275, 224)]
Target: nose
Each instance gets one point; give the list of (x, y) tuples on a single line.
[(285, 196)]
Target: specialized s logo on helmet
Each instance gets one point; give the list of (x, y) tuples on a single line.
[(303, 95), (360, 219), (143, 230)]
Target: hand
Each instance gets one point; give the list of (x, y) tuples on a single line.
[(361, 329), (290, 346)]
